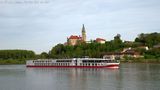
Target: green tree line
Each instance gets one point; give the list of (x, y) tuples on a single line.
[(96, 50), (92, 49), (149, 39), (16, 54)]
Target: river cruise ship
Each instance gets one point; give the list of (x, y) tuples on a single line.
[(74, 63)]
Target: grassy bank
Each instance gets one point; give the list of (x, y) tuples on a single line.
[(10, 62)]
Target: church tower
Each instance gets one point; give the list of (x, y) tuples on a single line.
[(83, 34)]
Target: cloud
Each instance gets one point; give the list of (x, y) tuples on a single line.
[(40, 26)]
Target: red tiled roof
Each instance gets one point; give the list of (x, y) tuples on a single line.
[(100, 39), (74, 37)]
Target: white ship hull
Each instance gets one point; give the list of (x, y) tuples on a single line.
[(74, 63)]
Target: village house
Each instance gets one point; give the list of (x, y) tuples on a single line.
[(156, 46), (113, 55), (100, 40), (128, 52)]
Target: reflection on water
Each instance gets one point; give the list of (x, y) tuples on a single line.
[(73, 78), (127, 77)]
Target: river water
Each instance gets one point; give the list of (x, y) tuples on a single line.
[(127, 77)]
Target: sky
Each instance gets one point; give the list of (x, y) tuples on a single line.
[(39, 25)]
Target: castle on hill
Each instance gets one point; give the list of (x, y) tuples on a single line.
[(75, 40)]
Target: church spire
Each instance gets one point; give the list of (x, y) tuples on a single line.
[(83, 33), (83, 28)]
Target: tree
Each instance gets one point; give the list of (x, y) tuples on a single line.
[(16, 54), (44, 55), (149, 39), (97, 50), (152, 54)]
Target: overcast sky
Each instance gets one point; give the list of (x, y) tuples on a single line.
[(38, 25)]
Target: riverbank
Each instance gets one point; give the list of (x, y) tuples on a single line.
[(141, 61), (10, 62)]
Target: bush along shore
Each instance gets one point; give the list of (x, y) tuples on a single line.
[(141, 61), (15, 56), (10, 62)]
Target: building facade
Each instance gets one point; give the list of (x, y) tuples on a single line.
[(100, 40), (74, 39)]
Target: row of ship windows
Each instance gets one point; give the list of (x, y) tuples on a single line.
[(99, 61), (41, 61), (91, 64), (84, 61), (52, 64), (67, 64), (64, 61), (52, 60)]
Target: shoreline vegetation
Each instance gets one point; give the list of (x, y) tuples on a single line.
[(12, 62), (141, 61), (22, 62), (144, 49)]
